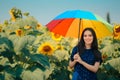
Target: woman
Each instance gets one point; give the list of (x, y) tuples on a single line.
[(85, 57)]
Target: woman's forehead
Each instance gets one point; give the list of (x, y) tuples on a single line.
[(87, 32)]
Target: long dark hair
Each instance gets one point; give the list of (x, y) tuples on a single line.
[(94, 45)]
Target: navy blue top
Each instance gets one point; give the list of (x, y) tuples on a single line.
[(83, 73)]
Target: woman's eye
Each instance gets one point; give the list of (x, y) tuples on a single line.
[(85, 35), (90, 35)]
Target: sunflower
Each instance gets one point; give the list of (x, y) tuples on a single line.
[(116, 32), (99, 41), (59, 47), (19, 32), (11, 12), (0, 29), (27, 27), (38, 26), (46, 48), (104, 56), (56, 37)]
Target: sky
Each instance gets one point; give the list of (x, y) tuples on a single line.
[(46, 10)]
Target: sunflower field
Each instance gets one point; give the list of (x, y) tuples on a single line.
[(29, 51)]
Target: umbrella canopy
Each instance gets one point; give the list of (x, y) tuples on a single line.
[(71, 24)]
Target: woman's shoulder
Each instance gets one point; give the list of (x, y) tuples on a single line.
[(75, 48), (97, 51)]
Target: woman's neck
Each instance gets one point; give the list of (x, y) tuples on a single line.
[(88, 46)]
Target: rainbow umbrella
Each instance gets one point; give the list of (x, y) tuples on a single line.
[(71, 24)]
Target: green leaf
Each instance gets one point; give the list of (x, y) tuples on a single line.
[(2, 77), (35, 66), (115, 63), (10, 70), (101, 75), (107, 67), (26, 52), (1, 68), (35, 33), (12, 33), (40, 59), (18, 71), (14, 71), (7, 42), (112, 78), (8, 54)]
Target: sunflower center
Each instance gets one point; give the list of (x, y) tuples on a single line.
[(19, 32), (47, 48)]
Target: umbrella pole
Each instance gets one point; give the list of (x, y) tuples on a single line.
[(79, 31)]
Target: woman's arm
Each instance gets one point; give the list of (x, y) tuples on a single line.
[(72, 63), (93, 68)]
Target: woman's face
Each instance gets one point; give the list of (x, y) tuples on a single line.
[(88, 37)]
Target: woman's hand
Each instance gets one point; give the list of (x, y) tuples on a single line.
[(72, 63), (77, 58)]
